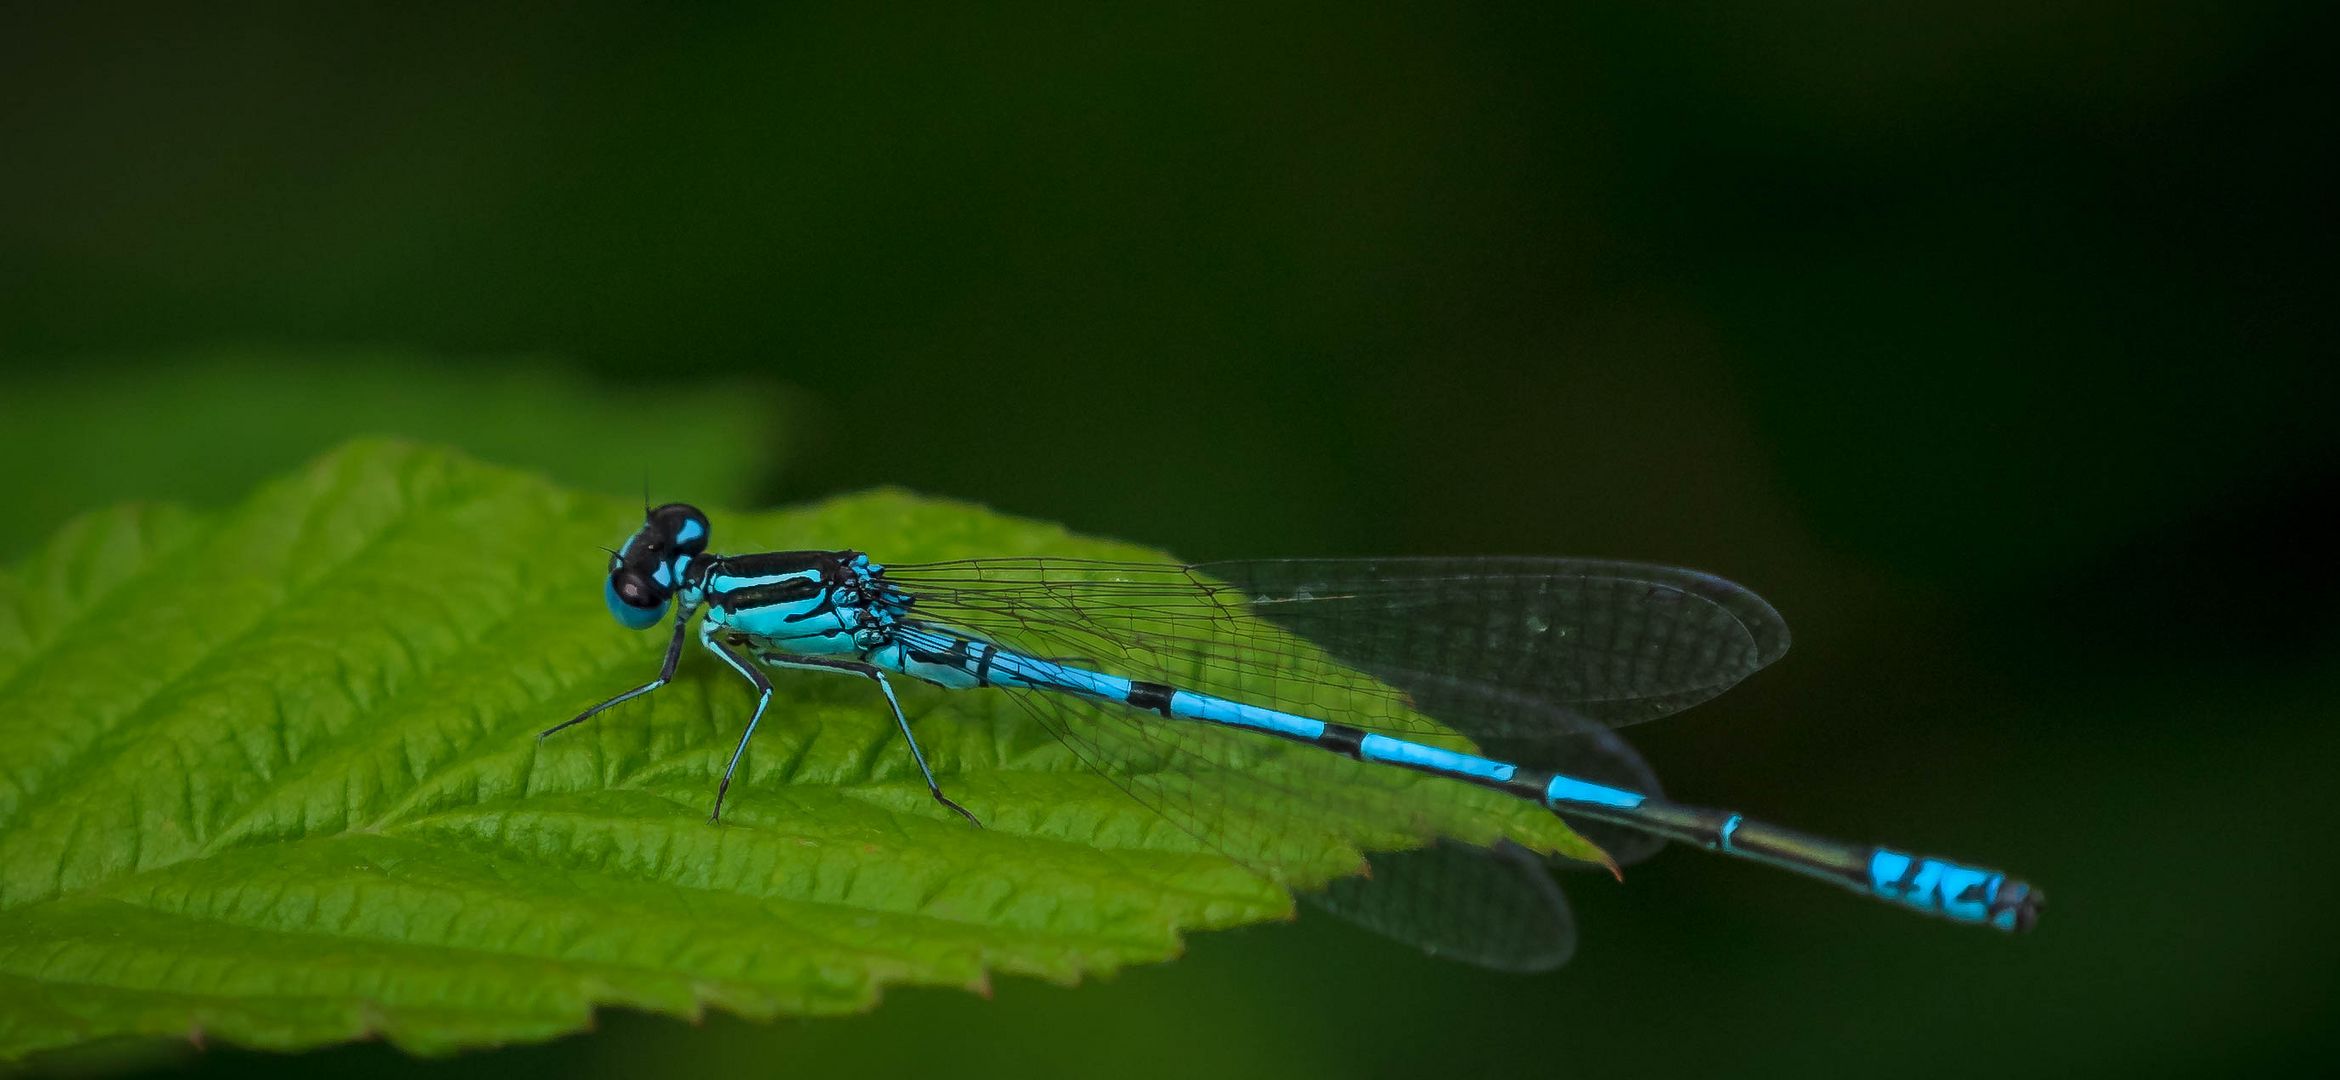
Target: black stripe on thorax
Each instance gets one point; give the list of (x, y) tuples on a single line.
[(788, 591)]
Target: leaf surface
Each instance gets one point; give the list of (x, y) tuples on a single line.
[(271, 776)]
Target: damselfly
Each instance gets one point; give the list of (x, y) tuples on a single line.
[(1387, 662)]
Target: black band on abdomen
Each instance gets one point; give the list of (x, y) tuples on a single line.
[(1343, 739), (1150, 696)]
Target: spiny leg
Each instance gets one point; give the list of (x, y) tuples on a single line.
[(763, 698), (916, 754), (854, 667), (665, 673)]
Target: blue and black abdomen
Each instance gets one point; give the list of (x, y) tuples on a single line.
[(1952, 890), (1933, 886)]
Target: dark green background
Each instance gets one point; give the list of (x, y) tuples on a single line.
[(1985, 339)]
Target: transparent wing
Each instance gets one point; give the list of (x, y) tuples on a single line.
[(1533, 660), (1496, 648), (1496, 907)]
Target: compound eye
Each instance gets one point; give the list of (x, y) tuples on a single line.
[(635, 601), (636, 590)]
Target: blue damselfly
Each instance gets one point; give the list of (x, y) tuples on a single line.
[(1390, 662)]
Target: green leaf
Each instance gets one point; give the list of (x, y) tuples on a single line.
[(272, 777), (203, 427)]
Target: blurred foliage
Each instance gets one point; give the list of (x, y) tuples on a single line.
[(1988, 341), (203, 428)]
